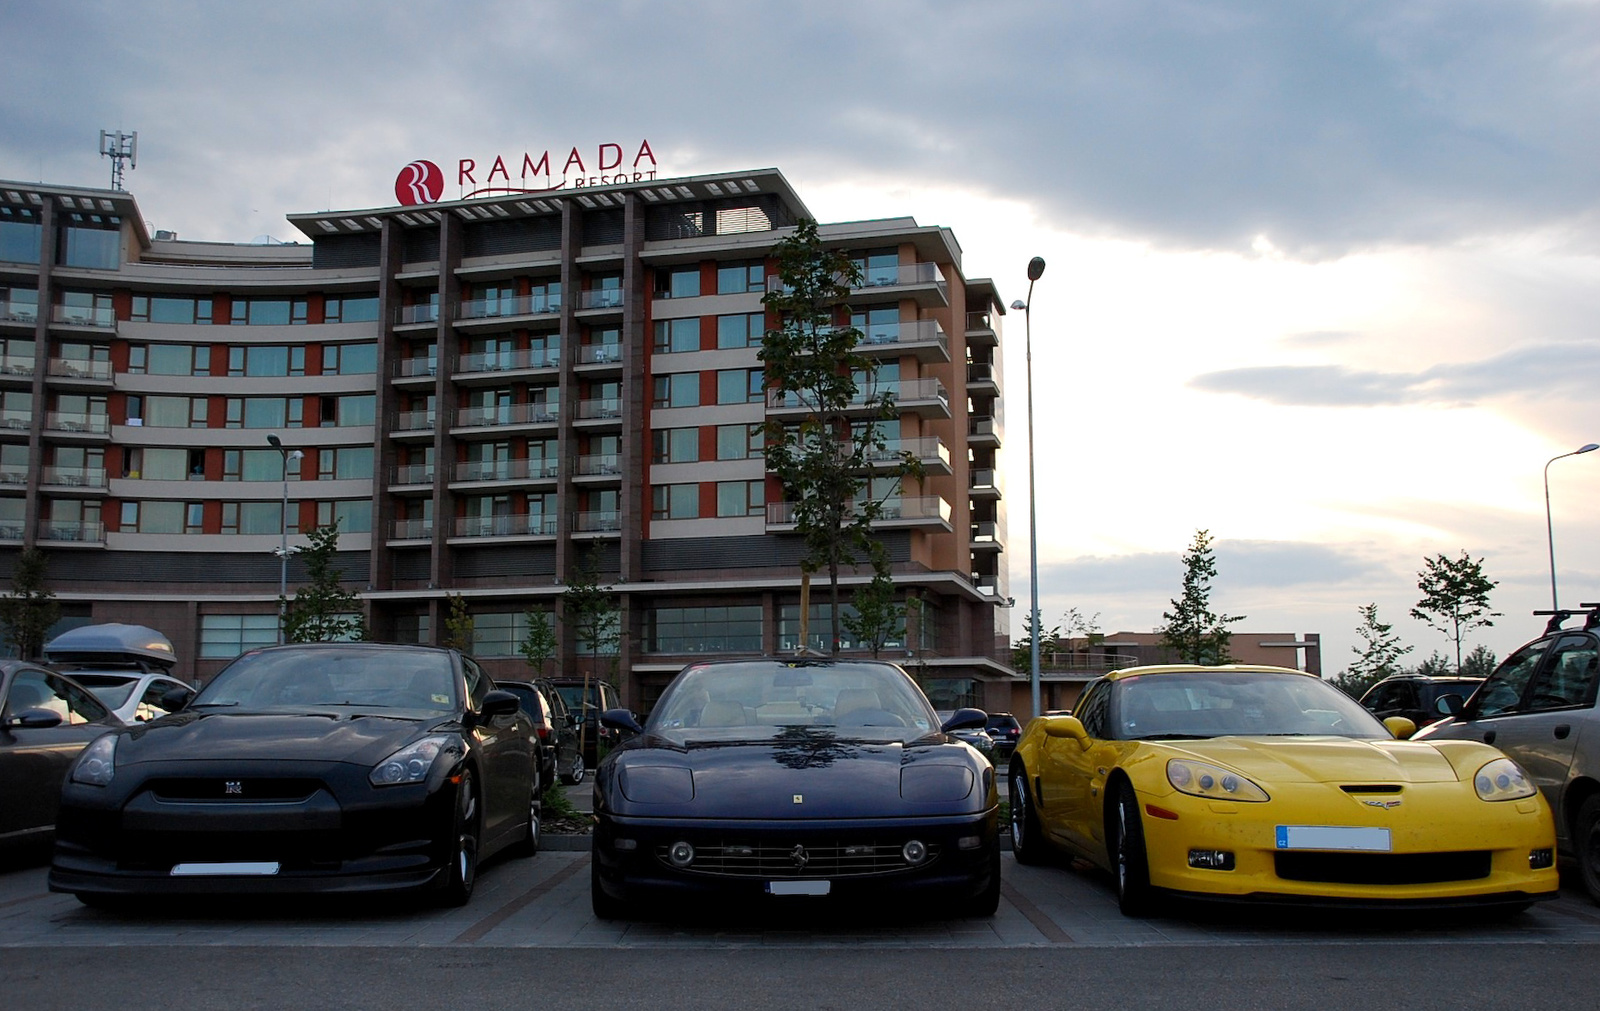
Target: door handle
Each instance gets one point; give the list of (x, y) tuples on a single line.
[(1488, 737), (1562, 730)]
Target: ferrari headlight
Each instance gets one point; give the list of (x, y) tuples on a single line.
[(412, 763), (1212, 781), (98, 762), (1501, 779)]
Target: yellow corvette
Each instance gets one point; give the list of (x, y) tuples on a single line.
[(1268, 784)]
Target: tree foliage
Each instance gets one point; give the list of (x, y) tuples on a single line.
[(1022, 649), (539, 643), (1191, 630), (592, 612), (1377, 657), (1455, 597), (29, 609), (877, 618), (1480, 663), (323, 610), (458, 625), (822, 462)]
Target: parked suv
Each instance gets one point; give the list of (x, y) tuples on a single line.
[(558, 736), (1005, 731), (127, 667), (1415, 696), (1539, 707), (603, 695)]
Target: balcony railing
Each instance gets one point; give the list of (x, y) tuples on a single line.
[(19, 312), (985, 532), (71, 530), (979, 321), (73, 477), (77, 368), (413, 530), (888, 276), (1080, 662), (983, 426), (904, 391), (414, 473), (595, 354), (507, 470), (921, 331), (83, 315), (516, 305), (516, 525), (92, 424), (600, 407), (982, 372), (425, 313), (983, 480), (415, 421), (13, 475), (16, 419), (507, 361), (508, 414), (12, 365), (929, 449), (599, 464), (915, 507), (411, 367), (599, 522), (600, 298), (11, 531)]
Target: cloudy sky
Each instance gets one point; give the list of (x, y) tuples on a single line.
[(1323, 279)]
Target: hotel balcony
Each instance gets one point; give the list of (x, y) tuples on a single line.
[(16, 420), (506, 415), (602, 409), (983, 380), (417, 315), (490, 471), (600, 354), (72, 532), (920, 281), (13, 475), (601, 299), (12, 365), (926, 397), (77, 478), (69, 369), (897, 512), (924, 338), (602, 522), (14, 311), (413, 425), (412, 475), (984, 484), (986, 537), (515, 525), (81, 315), (600, 465), (414, 371), (475, 312), (983, 432), (11, 531), (980, 329), (412, 530), (930, 451), (57, 422)]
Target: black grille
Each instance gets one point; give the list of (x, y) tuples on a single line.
[(244, 790), (1383, 868), (1371, 788), (823, 861)]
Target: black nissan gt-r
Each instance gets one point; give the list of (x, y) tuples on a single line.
[(330, 767), (780, 777)]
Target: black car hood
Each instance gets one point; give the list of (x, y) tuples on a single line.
[(332, 735), (794, 772)]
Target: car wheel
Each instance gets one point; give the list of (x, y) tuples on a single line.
[(604, 905), (530, 845), (987, 902), (1586, 846), (575, 774), (1129, 864), (462, 873), (1027, 843)]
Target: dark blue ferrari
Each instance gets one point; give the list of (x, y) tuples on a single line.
[(773, 778)]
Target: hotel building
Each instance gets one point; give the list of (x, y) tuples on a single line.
[(486, 394)]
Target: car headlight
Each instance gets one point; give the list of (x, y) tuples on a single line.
[(1500, 780), (98, 762), (1212, 781), (412, 763)]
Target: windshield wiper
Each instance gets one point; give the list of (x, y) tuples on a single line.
[(1172, 737), (218, 705)]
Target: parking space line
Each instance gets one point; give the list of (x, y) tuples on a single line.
[(25, 898), (1049, 928), (479, 930)]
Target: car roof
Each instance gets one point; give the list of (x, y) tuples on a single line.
[(1194, 668)]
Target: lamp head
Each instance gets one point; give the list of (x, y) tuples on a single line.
[(274, 441), (1035, 268), (295, 454), (1019, 305), (1590, 448)]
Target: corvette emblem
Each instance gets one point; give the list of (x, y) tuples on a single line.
[(1386, 804), (800, 857), (233, 788)]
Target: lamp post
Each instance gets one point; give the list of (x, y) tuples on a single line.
[(283, 529), (1549, 524), (1035, 271)]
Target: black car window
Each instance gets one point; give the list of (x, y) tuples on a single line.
[(1221, 703), (558, 706), (294, 677), (150, 704), (1093, 711), (111, 689), (37, 689), (478, 683), (1502, 692), (1568, 678), (1380, 699)]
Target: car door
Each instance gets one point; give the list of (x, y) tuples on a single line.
[(1495, 714), (505, 745), (1544, 733), (34, 760), (1070, 780)]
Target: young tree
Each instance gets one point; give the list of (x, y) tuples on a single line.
[(1192, 630), (1377, 658), (592, 612), (540, 643), (1436, 666), (28, 611), (1455, 597), (1022, 649), (1480, 663), (323, 610), (811, 362), (877, 617), (458, 625)]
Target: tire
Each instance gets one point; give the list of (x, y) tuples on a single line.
[(530, 845), (462, 873), (1130, 866), (1586, 846), (605, 907), (1027, 841), (574, 775), (987, 902)]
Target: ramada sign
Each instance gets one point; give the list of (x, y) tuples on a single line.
[(422, 182)]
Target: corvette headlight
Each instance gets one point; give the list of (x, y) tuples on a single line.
[(1212, 781), (412, 763), (1501, 779), (98, 762)]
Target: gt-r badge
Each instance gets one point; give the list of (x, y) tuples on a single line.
[(1386, 804), (799, 799), (233, 788)]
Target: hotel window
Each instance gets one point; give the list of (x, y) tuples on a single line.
[(361, 309), (91, 241), (346, 463), (679, 389), (20, 235), (265, 412), (267, 360), (268, 311), (19, 305), (354, 516), (258, 517), (703, 629), (349, 359), (739, 442), (167, 412), (821, 618), (256, 465), (741, 498), (498, 633), (674, 501), (740, 386), (675, 445), (877, 326), (544, 350), (545, 296), (677, 335), (741, 330), (169, 359), (605, 292), (167, 309), (879, 267), (356, 409), (734, 278), (85, 308), (160, 517), (225, 636), (153, 463), (679, 282)]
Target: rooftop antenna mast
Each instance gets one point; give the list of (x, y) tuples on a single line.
[(118, 147)]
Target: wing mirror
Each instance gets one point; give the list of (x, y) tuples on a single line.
[(1450, 705), (1400, 726), (620, 719), (499, 703), (1069, 727), (36, 719), (966, 719), (175, 698)]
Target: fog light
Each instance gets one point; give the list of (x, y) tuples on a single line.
[(1538, 860), (914, 852), (625, 844), (969, 842), (1211, 860), (681, 854)]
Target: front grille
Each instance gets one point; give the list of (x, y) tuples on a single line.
[(1383, 868), (1372, 788), (832, 860), (244, 790)]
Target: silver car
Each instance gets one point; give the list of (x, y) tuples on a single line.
[(1539, 708)]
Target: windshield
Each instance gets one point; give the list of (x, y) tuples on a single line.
[(293, 679), (112, 689), (772, 693), (1243, 703)]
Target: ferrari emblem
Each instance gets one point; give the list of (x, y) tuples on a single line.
[(800, 857), (799, 798)]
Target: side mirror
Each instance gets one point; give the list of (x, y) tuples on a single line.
[(1069, 727), (175, 698), (37, 719), (1450, 705), (966, 719), (1401, 727), (499, 703), (620, 719)]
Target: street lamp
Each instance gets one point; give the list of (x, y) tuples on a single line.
[(1549, 525), (1035, 271), (283, 529)]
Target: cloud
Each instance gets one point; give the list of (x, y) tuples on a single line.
[(1568, 370), (1319, 338), (1242, 565)]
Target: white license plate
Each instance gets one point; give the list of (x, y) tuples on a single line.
[(798, 887), (1333, 837), (259, 869)]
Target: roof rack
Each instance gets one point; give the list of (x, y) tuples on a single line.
[(1589, 609)]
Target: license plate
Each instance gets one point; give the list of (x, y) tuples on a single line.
[(798, 887), (1333, 837), (259, 869)]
